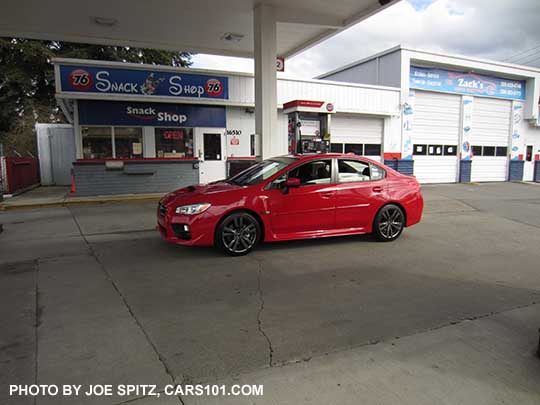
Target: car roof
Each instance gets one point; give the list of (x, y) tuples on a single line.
[(316, 156)]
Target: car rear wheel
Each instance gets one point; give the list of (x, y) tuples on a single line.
[(389, 223), (238, 234)]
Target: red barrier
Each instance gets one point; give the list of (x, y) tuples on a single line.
[(21, 172)]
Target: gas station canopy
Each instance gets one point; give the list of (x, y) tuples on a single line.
[(204, 26)]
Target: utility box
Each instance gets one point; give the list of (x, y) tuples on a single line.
[(56, 151)]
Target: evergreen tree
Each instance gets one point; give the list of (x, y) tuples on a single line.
[(27, 82)]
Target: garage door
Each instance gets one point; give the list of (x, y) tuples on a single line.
[(490, 135), (436, 136), (356, 134)]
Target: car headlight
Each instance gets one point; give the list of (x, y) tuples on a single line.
[(192, 209)]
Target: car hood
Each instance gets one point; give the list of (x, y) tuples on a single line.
[(198, 193)]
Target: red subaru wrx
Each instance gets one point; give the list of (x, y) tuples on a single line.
[(292, 197)]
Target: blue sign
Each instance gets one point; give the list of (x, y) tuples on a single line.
[(466, 83), (104, 80), (150, 114)]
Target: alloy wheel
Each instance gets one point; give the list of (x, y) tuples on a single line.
[(391, 222), (239, 234)]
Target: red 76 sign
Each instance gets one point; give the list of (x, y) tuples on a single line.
[(80, 79), (213, 88)]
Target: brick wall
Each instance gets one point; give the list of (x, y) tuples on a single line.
[(465, 171), (516, 170), (402, 166), (135, 177)]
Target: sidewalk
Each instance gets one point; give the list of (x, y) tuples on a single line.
[(42, 197)]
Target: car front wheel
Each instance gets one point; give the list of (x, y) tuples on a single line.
[(389, 223), (238, 234)]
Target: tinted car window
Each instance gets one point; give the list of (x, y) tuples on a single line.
[(259, 172), (376, 172), (317, 172), (353, 170)]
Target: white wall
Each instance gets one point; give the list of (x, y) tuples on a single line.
[(346, 97), (241, 122)]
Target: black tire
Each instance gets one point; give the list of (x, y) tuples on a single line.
[(238, 234), (389, 223)]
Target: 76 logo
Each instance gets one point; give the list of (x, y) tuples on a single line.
[(80, 79), (214, 88)]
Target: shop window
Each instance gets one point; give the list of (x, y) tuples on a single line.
[(212, 146), (529, 153), (174, 142), (252, 150), (420, 149), (450, 150), (501, 151), (353, 170), (318, 172), (97, 142), (477, 151), (356, 148), (435, 150), (128, 142), (488, 151), (336, 148), (372, 149)]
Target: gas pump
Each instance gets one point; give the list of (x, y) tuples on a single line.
[(308, 126)]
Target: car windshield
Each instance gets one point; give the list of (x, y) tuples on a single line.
[(261, 171)]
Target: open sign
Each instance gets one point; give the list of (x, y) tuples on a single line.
[(173, 135)]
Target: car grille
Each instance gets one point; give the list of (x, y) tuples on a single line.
[(162, 210)]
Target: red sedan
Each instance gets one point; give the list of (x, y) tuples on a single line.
[(292, 197)]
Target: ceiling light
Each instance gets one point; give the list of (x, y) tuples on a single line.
[(105, 22), (231, 36)]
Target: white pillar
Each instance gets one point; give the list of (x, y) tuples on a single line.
[(264, 29)]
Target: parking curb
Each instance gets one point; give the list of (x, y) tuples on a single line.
[(77, 202)]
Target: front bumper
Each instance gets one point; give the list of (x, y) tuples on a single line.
[(187, 230)]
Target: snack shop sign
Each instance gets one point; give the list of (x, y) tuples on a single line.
[(99, 80)]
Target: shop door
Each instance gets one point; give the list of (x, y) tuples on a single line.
[(528, 169), (491, 123), (436, 137), (211, 153)]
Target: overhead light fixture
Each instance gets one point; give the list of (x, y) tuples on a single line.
[(231, 36), (105, 21)]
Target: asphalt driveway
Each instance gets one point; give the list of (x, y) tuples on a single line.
[(91, 294)]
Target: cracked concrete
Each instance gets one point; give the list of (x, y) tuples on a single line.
[(90, 295), (259, 315), (124, 301)]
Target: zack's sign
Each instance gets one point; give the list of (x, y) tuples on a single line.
[(91, 79), (466, 83)]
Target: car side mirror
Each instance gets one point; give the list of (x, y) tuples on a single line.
[(291, 182)]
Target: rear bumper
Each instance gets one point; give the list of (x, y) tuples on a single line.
[(415, 210)]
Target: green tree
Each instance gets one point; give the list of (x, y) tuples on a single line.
[(27, 82)]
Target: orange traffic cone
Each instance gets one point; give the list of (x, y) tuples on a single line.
[(73, 188)]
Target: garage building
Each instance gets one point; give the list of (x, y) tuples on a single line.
[(462, 119)]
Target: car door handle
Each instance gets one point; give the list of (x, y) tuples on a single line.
[(327, 194), (377, 189)]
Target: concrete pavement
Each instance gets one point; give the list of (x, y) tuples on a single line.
[(449, 313)]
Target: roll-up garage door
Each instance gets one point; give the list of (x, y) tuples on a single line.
[(357, 134), (436, 136), (490, 135)]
